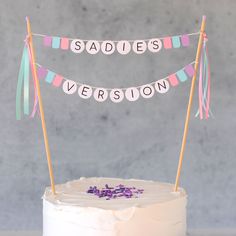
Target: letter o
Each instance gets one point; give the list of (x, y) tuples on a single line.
[(162, 86), (147, 91)]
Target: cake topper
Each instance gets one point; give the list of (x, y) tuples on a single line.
[(116, 95)]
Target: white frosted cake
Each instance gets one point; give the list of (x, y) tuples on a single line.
[(114, 207)]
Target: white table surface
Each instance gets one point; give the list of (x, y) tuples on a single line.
[(195, 232)]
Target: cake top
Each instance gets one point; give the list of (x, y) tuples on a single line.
[(139, 193)]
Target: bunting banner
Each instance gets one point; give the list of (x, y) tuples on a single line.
[(116, 95), (123, 47)]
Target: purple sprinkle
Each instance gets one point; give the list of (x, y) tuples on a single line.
[(115, 192)]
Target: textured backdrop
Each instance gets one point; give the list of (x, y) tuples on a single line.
[(128, 140)]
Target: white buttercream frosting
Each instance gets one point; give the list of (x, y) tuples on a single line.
[(72, 211)]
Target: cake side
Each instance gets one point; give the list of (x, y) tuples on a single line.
[(158, 211)]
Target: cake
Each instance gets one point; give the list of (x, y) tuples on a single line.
[(144, 208)]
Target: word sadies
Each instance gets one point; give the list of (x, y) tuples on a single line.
[(123, 47)]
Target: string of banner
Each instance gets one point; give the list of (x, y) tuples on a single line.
[(116, 95), (123, 47)]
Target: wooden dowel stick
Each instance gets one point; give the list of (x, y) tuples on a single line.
[(45, 136), (181, 156)]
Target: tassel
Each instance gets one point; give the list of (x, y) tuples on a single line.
[(35, 106), (204, 83), (23, 84)]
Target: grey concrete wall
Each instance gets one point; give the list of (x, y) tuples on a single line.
[(138, 140)]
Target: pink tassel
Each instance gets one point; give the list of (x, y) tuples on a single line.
[(35, 106), (204, 90)]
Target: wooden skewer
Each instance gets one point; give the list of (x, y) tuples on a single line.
[(181, 156), (45, 136)]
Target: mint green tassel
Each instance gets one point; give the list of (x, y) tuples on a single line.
[(23, 79)]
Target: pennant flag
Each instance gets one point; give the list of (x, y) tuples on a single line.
[(176, 42), (50, 76), (185, 40), (167, 43), (189, 70), (42, 72), (181, 75), (57, 81), (56, 42), (47, 41), (64, 43), (173, 80)]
